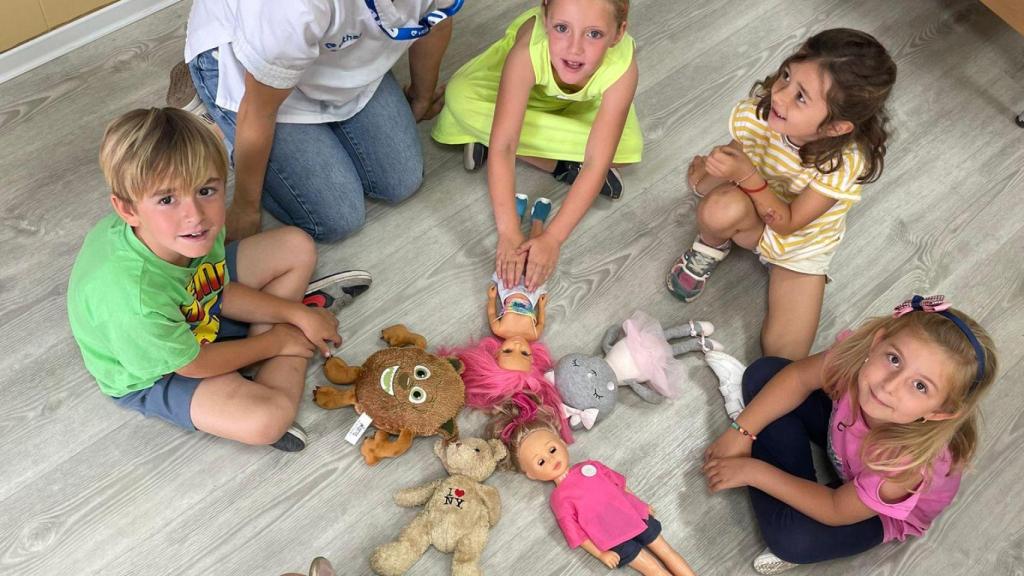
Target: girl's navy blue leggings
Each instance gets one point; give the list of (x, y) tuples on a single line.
[(785, 444)]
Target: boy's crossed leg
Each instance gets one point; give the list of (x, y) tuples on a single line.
[(279, 262)]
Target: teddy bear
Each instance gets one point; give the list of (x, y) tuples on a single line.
[(403, 390), (458, 514)]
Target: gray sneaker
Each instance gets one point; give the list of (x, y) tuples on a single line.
[(335, 291), (689, 274), (294, 440), (768, 563)]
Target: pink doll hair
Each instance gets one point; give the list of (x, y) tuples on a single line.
[(489, 385)]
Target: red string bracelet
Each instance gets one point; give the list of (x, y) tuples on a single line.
[(736, 426), (753, 190)]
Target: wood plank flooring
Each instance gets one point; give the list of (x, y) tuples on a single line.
[(88, 488)]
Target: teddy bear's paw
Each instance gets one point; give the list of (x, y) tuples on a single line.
[(393, 558)]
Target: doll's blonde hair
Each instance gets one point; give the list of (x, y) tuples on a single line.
[(905, 451), (516, 419), (146, 148)]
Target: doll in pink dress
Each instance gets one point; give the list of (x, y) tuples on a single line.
[(590, 501)]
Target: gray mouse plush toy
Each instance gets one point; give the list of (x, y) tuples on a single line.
[(638, 354)]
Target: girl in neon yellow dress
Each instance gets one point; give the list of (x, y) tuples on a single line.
[(567, 77)]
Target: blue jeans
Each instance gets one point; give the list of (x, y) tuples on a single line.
[(785, 444), (318, 174)]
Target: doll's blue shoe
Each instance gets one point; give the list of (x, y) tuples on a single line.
[(541, 209), (521, 201)]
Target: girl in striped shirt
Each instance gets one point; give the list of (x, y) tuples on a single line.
[(811, 134)]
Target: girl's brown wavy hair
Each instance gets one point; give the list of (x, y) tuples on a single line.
[(862, 75)]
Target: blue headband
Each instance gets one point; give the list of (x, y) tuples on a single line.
[(939, 305), (413, 32)]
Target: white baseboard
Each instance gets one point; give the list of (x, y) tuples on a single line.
[(75, 34)]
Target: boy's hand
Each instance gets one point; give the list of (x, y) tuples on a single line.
[(319, 326), (291, 341), (728, 163)]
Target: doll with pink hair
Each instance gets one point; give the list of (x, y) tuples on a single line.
[(488, 384), (591, 503)]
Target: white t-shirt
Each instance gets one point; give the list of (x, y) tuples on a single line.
[(331, 52)]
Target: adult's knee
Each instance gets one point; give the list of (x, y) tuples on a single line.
[(759, 373), (723, 208), (404, 181), (337, 227)]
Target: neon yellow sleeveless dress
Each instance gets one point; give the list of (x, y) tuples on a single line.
[(556, 124)]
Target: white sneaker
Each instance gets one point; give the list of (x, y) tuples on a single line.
[(768, 563), (730, 379)]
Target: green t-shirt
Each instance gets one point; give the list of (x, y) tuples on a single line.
[(137, 317)]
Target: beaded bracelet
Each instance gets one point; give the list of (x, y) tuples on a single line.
[(736, 426)]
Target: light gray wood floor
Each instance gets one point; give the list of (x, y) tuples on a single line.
[(88, 488)]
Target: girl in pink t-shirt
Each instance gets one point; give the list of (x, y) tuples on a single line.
[(591, 503), (895, 405)]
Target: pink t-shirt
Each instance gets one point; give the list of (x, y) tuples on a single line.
[(592, 502), (908, 517)]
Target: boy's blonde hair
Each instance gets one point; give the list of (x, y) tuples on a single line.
[(143, 149), (905, 451)]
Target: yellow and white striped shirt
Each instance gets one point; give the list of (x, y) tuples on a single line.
[(778, 161)]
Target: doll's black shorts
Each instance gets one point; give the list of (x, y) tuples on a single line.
[(630, 549)]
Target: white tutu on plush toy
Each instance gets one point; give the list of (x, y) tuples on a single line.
[(644, 354)]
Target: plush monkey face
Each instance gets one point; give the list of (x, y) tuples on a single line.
[(409, 389)]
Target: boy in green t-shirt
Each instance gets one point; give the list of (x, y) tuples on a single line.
[(165, 315)]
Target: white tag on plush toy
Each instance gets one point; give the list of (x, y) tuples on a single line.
[(356, 432)]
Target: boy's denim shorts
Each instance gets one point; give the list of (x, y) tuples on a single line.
[(170, 397)]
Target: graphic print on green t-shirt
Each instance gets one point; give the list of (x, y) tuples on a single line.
[(203, 314)]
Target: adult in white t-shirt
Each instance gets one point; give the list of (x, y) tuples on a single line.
[(303, 92)]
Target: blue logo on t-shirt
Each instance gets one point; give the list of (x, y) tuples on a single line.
[(346, 39)]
